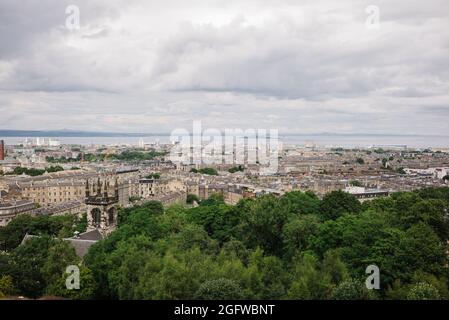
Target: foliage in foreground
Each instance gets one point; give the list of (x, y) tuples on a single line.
[(293, 247)]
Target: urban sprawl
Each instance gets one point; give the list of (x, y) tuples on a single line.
[(44, 177)]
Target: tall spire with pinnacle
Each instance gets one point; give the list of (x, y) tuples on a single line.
[(105, 189), (98, 187)]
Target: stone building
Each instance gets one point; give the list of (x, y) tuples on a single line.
[(9, 209), (150, 188)]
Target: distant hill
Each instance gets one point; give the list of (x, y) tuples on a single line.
[(72, 133)]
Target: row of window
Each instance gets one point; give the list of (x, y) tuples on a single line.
[(40, 194)]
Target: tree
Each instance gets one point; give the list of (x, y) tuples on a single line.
[(432, 212), (6, 286), (154, 207), (239, 168), (263, 224), (440, 283), (214, 199), (263, 248), (351, 290), (265, 276), (81, 224), (423, 291), (192, 198), (155, 175), (355, 183), (421, 249), (385, 254), (175, 275), (220, 289), (27, 262), (12, 234), (59, 256), (297, 232), (126, 265), (336, 203), (86, 290), (334, 266), (207, 171), (300, 203), (397, 291), (309, 283), (219, 221), (193, 236)]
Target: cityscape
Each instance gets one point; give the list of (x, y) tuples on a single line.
[(224, 156)]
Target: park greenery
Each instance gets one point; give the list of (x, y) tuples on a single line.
[(127, 155), (155, 175), (208, 171), (296, 246), (131, 155), (191, 198), (239, 168), (51, 159), (35, 172)]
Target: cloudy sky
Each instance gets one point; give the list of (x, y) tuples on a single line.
[(297, 66)]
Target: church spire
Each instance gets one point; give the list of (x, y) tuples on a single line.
[(98, 187)]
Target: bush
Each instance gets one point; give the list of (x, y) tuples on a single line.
[(423, 291), (220, 289), (351, 290)]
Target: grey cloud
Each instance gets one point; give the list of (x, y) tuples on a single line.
[(297, 66)]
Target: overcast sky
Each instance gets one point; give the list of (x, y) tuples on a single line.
[(297, 66)]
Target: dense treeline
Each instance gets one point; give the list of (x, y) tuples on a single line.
[(131, 155), (37, 267), (35, 172), (293, 247), (208, 171), (56, 226), (127, 155)]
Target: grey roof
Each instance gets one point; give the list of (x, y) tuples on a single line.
[(68, 205), (81, 245), (91, 235), (15, 203)]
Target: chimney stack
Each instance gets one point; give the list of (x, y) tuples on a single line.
[(2, 150)]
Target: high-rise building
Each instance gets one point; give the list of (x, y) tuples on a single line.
[(2, 150)]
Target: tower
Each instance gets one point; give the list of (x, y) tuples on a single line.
[(101, 206)]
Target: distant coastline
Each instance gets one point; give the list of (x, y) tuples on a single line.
[(14, 137), (87, 134), (70, 133)]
